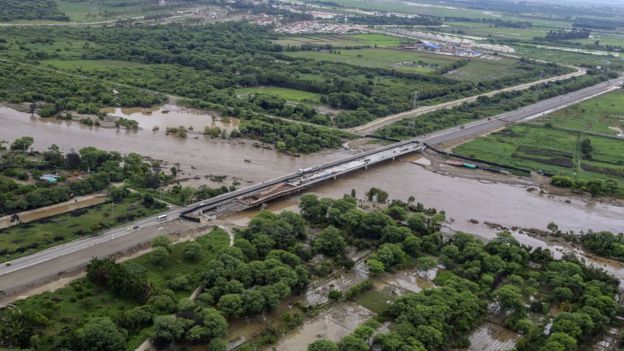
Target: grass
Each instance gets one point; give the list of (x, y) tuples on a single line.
[(551, 150), (375, 301), (25, 239), (88, 11), (415, 7), (81, 300), (486, 30), (91, 65), (341, 40), (603, 114), (568, 58), (479, 70), (285, 93), (407, 61)]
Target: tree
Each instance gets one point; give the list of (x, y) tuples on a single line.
[(191, 251), (375, 266), (330, 242), (159, 256), (167, 329), (323, 345), (72, 160), (137, 317), (426, 263), (586, 147), (162, 241), (100, 334), (351, 343), (214, 322), (22, 144), (218, 344), (231, 305), (417, 222), (118, 194), (509, 298)]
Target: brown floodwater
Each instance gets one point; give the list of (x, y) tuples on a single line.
[(170, 115), (464, 199), (196, 155)]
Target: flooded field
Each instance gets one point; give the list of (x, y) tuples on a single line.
[(195, 155), (331, 325), (408, 281), (170, 115), (492, 337)]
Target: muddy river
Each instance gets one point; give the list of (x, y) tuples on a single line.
[(205, 155), (463, 199)]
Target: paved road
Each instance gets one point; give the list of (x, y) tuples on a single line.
[(523, 114), (33, 269), (371, 127)]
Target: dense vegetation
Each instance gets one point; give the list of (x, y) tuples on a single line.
[(567, 35), (277, 255), (203, 63), (522, 283), (55, 92), (98, 169), (11, 10)]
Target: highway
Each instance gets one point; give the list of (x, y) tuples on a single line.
[(369, 128), (47, 264)]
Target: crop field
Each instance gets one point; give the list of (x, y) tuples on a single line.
[(604, 114), (408, 61), (285, 93), (343, 40), (551, 150), (25, 239)]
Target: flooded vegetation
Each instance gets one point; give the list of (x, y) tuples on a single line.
[(492, 337), (195, 155), (332, 325), (169, 115)]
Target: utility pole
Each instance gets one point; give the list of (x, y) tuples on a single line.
[(415, 100)]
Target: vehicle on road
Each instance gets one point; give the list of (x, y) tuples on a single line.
[(161, 218)]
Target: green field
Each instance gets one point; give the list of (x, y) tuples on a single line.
[(25, 239), (551, 150), (342, 40), (480, 70), (82, 300), (375, 300), (415, 7), (569, 58), (91, 65), (285, 93), (486, 30), (89, 11), (407, 61), (604, 114)]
